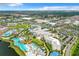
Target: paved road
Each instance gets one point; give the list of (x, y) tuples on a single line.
[(69, 38), (68, 47)]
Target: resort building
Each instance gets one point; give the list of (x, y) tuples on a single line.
[(47, 36)]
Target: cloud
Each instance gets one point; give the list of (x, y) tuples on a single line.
[(57, 8), (15, 4)]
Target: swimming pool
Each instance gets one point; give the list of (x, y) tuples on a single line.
[(54, 53), (22, 46), (8, 33)]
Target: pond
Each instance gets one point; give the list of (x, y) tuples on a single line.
[(5, 50)]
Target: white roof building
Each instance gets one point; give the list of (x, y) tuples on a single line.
[(27, 18), (76, 22), (41, 33), (55, 42)]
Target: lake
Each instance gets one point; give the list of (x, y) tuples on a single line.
[(5, 50)]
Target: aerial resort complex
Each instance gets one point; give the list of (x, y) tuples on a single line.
[(39, 32)]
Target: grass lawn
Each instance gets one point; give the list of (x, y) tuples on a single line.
[(75, 49)]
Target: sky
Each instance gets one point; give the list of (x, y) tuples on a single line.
[(38, 6)]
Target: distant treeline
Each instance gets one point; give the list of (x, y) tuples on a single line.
[(62, 13)]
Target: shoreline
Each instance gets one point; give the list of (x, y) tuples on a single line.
[(16, 49)]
